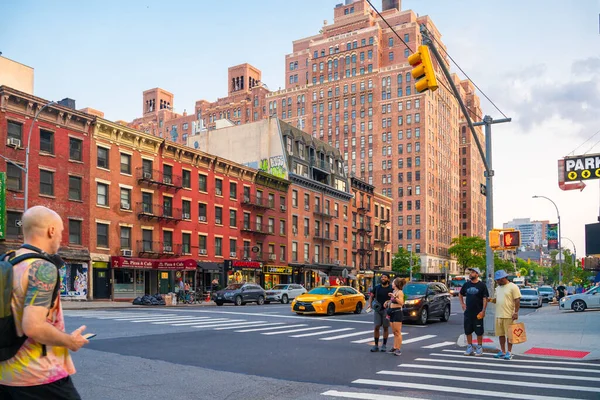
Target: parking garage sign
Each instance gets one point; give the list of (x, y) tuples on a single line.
[(581, 168)]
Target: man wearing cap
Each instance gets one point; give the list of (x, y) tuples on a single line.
[(476, 294), (379, 296), (508, 302)]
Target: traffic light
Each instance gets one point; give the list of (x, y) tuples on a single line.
[(423, 68), (511, 239), (495, 239)]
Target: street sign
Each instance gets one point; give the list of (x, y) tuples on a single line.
[(2, 205), (580, 168), (483, 189)]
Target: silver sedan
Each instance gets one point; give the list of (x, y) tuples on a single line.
[(531, 298)]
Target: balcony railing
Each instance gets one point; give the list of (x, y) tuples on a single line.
[(363, 228), (159, 178), (326, 261), (320, 164), (363, 207), (362, 247), (257, 228), (258, 202), (159, 249), (381, 241), (322, 212), (158, 211), (322, 236)]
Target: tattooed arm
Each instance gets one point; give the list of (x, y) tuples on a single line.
[(40, 286)]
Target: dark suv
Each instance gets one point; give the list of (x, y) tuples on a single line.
[(239, 294), (424, 300)]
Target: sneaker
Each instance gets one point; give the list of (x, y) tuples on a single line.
[(383, 348), (478, 351), (392, 350), (469, 351), (374, 349), (397, 352), (499, 355), (507, 356)]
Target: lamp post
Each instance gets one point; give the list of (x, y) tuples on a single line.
[(574, 248), (560, 255)]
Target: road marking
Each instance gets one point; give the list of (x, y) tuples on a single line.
[(322, 333), (366, 396), (130, 317), (371, 339), (503, 364), (452, 389), (224, 323), (436, 345), (269, 329), (142, 319), (535, 361), (453, 314), (261, 324), (245, 314), (499, 372), (172, 319), (296, 330), (196, 322), (181, 319), (348, 335), (418, 339), (505, 382)]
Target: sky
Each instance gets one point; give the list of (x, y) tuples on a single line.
[(538, 60)]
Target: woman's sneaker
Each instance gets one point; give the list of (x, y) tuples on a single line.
[(469, 351), (500, 355), (397, 352), (392, 350), (478, 351)]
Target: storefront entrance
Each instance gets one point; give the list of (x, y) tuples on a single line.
[(101, 284), (243, 271), (276, 275)]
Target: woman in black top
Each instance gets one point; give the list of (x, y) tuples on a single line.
[(394, 313)]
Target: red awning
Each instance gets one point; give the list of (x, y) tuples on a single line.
[(144, 263)]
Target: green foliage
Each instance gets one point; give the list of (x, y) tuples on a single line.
[(401, 263), (469, 251)]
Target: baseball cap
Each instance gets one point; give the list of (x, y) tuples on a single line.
[(500, 274), (475, 270), (385, 274)]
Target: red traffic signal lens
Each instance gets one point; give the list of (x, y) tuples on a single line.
[(511, 239)]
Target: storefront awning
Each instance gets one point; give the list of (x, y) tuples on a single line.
[(163, 265), (208, 266), (320, 273)]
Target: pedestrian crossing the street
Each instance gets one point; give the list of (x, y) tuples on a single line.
[(263, 327), (448, 373)]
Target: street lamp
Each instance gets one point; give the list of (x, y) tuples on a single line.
[(560, 256), (574, 248)]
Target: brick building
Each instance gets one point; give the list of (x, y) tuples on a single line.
[(58, 176)]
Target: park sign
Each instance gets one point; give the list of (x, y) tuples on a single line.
[(2, 205), (580, 168)]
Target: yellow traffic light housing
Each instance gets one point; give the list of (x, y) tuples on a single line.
[(504, 239), (495, 239), (423, 68)]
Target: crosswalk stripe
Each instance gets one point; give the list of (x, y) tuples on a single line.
[(451, 389), (175, 318), (269, 329), (295, 330), (436, 345), (366, 396), (505, 382), (224, 323), (534, 361), (499, 372), (167, 322), (262, 323), (129, 317), (371, 339), (348, 335), (322, 332), (197, 321), (418, 339), (503, 364)]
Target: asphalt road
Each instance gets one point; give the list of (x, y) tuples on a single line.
[(263, 352)]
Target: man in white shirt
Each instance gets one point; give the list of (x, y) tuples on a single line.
[(508, 302)]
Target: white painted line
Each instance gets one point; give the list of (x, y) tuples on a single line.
[(366, 396), (452, 314), (262, 323), (323, 332), (528, 360), (452, 389), (499, 372), (246, 314), (129, 317), (505, 382), (436, 345), (372, 340), (296, 330), (170, 322), (174, 319), (197, 321), (505, 364), (348, 335), (269, 329), (224, 323), (418, 339), (142, 318)]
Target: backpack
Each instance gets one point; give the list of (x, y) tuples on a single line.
[(10, 342)]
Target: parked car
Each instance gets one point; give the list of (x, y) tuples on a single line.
[(531, 298), (329, 300), (425, 300), (582, 301), (284, 293), (454, 290), (547, 293), (240, 294)]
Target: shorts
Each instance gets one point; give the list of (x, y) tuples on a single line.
[(503, 325), (62, 389), (380, 320), (472, 324), (396, 315)]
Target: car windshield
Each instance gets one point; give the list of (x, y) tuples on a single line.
[(234, 286), (323, 290), (415, 289), (280, 287), (592, 290), (529, 292), (546, 289)]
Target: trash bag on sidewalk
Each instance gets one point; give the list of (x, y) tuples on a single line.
[(137, 301)]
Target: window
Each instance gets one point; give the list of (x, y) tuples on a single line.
[(102, 235), (102, 161), (233, 191), (294, 198), (14, 176), (202, 242), (125, 164), (75, 146), (74, 188), (219, 247), (167, 241), (102, 194), (46, 183), (74, 231), (125, 237), (12, 229), (219, 215), (125, 199), (186, 243), (15, 130), (219, 186), (391, 55), (46, 141), (202, 182), (233, 247), (186, 179), (186, 209), (233, 218), (146, 240)]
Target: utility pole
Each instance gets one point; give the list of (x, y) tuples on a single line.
[(410, 265)]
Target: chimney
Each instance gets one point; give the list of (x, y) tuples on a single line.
[(390, 5)]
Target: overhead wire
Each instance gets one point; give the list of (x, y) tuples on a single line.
[(590, 149), (587, 140)]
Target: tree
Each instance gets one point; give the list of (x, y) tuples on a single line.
[(501, 264), (469, 251), (401, 263)]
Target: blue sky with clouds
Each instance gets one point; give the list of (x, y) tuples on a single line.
[(539, 60)]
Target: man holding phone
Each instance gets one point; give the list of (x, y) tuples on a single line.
[(476, 294)]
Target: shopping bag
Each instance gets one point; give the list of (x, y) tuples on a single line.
[(516, 333)]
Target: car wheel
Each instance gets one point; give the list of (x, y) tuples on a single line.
[(423, 316), (331, 309), (260, 301), (238, 301), (540, 304), (219, 303), (578, 306), (446, 316), (285, 299), (358, 308)]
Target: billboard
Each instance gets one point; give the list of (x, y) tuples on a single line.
[(592, 239), (580, 168), (552, 236), (2, 205)]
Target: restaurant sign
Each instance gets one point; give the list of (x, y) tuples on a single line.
[(141, 263), (243, 265), (271, 269)]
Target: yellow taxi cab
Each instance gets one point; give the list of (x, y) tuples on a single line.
[(329, 300)]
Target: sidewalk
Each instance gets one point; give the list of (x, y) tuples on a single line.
[(97, 305), (555, 333)]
